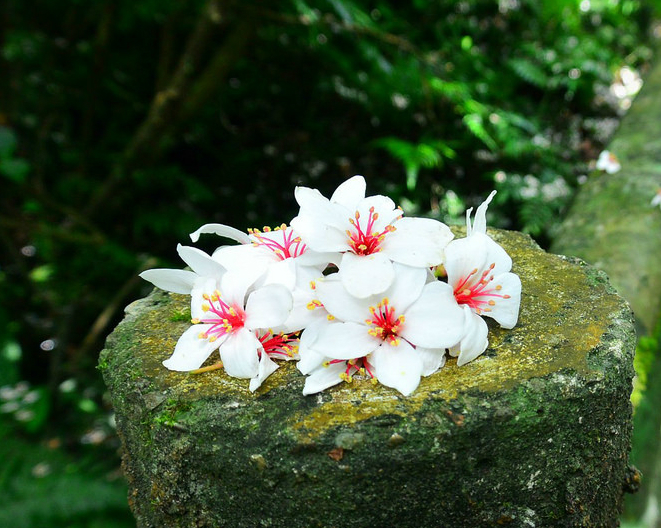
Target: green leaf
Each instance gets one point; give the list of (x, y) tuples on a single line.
[(475, 124), (529, 72), (415, 156), (455, 92)]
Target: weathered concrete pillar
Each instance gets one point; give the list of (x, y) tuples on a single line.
[(534, 433)]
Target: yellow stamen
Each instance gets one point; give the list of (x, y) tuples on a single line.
[(215, 366)]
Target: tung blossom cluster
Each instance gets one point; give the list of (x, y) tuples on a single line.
[(350, 289)]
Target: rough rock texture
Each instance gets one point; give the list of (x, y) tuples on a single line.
[(611, 223), (534, 433)]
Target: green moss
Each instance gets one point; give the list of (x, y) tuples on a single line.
[(181, 315), (546, 405), (551, 335)]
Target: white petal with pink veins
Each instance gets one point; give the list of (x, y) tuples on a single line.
[(505, 309)]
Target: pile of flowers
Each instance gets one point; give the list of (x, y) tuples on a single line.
[(350, 289)]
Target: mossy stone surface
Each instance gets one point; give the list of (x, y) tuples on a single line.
[(535, 432), (611, 223)]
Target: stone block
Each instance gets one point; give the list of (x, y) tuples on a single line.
[(535, 432)]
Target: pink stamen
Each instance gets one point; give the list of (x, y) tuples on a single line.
[(477, 293), (291, 246), (354, 366), (385, 325), (363, 241), (278, 344), (223, 317)]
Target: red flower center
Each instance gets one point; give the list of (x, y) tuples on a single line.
[(479, 294), (363, 240), (223, 317), (354, 366), (278, 344), (384, 324)]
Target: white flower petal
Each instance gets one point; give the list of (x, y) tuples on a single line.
[(365, 275), (202, 285), (320, 235), (266, 367), (435, 320), (506, 310), (309, 359), (397, 366), (315, 259), (476, 252), (349, 193), (268, 306), (480, 221), (281, 272), (475, 341), (407, 286), (339, 302), (235, 285), (199, 261), (418, 242), (345, 341), (432, 359), (323, 377), (223, 231), (173, 280), (238, 257), (239, 354), (191, 350), (385, 209), (301, 316), (318, 207)]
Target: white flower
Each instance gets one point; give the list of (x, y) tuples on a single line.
[(237, 323), (608, 162), (394, 338), (368, 233), (276, 245), (478, 271), (205, 275), (279, 257)]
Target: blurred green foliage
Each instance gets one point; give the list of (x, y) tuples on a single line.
[(124, 125)]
